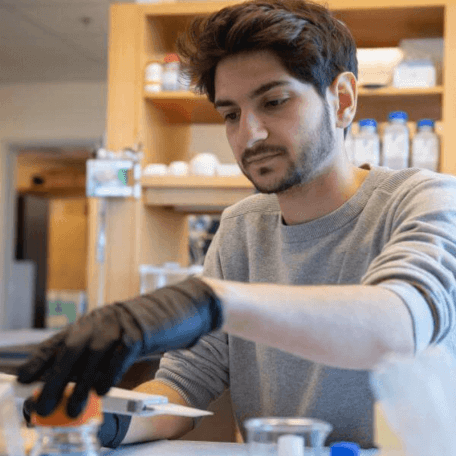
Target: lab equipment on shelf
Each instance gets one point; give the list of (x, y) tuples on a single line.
[(425, 146), (153, 277), (367, 144), (396, 137)]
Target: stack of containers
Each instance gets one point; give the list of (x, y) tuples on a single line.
[(394, 149), (165, 75)]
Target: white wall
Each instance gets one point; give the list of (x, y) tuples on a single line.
[(52, 110), (47, 114)]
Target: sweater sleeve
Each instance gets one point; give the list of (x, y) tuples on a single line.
[(418, 262), (200, 374)]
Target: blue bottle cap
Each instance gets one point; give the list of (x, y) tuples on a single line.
[(344, 449), (368, 123), (425, 123), (398, 115)]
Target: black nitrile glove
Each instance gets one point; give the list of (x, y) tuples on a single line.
[(111, 432), (98, 349)]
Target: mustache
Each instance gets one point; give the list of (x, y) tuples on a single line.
[(260, 150)]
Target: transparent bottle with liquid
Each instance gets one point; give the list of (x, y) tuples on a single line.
[(367, 144), (396, 141), (58, 434), (425, 146)]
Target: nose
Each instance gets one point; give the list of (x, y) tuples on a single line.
[(253, 130)]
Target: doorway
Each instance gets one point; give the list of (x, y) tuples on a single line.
[(51, 238)]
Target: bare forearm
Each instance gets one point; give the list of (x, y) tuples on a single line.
[(350, 327), (162, 426)]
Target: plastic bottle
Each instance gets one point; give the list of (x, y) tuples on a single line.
[(367, 144), (425, 146), (350, 144), (59, 434), (396, 137), (171, 71)]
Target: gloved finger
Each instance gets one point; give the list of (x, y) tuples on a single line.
[(58, 376), (42, 358), (89, 373), (27, 408)]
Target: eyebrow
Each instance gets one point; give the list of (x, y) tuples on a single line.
[(255, 93)]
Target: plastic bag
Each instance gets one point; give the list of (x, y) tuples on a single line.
[(418, 396)]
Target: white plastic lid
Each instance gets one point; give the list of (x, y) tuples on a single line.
[(290, 445)]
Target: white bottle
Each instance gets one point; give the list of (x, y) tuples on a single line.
[(367, 144), (396, 139), (349, 142), (425, 146)]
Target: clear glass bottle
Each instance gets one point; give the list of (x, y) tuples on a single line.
[(425, 146), (367, 144), (396, 141), (58, 434)]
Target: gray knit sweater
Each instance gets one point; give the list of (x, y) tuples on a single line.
[(398, 231)]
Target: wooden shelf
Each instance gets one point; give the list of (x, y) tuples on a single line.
[(187, 107), (194, 193), (395, 92), (373, 24)]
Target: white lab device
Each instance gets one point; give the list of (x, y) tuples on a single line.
[(118, 400)]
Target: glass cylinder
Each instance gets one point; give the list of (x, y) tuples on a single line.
[(70, 440), (60, 434), (271, 436)]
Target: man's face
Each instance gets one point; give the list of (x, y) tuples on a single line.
[(279, 129)]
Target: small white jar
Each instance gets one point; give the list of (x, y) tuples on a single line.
[(153, 77)]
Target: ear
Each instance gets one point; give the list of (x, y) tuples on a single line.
[(344, 97)]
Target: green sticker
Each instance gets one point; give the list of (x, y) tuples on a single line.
[(63, 308), (122, 175)]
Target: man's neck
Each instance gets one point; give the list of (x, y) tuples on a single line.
[(323, 195)]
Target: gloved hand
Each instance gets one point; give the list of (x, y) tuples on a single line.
[(98, 349)]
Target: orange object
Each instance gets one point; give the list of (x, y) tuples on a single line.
[(171, 58), (59, 417)]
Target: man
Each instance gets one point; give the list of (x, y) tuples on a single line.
[(308, 285)]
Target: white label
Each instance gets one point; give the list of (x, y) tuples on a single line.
[(367, 150), (395, 150)]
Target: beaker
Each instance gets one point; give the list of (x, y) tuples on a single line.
[(274, 436)]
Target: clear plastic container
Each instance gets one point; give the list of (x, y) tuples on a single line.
[(268, 436), (58, 434), (153, 277), (396, 141), (425, 146), (367, 144)]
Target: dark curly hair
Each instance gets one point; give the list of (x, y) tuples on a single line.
[(311, 43)]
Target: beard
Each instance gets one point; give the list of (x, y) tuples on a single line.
[(308, 163)]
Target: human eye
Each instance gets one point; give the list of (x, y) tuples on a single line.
[(230, 116), (275, 102)]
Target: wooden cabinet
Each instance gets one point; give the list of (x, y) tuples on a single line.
[(154, 229)]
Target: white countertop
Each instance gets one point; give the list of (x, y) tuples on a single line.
[(188, 448)]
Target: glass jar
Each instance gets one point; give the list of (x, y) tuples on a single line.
[(153, 77), (58, 434)]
